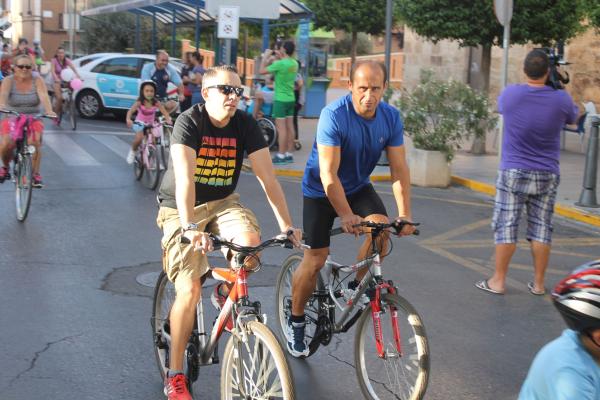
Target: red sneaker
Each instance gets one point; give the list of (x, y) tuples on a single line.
[(218, 300), (176, 388)]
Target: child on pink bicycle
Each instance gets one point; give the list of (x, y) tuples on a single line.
[(146, 106)]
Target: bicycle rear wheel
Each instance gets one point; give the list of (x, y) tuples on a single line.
[(23, 184), (269, 131), (396, 375), (283, 297), (72, 112), (255, 368), (164, 296), (152, 167)]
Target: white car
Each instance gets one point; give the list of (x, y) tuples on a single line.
[(111, 82)]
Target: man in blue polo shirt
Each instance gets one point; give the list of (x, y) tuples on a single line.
[(161, 72), (352, 133)]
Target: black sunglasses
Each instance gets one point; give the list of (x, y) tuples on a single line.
[(24, 66), (227, 90)]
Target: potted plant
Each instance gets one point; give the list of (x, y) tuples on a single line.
[(438, 116)]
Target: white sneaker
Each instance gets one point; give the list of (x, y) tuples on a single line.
[(130, 156)]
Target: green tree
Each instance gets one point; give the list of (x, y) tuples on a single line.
[(352, 16), (473, 23), (344, 45)]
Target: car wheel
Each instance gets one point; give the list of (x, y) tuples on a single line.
[(89, 104)]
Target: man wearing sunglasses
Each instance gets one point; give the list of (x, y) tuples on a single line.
[(197, 196)]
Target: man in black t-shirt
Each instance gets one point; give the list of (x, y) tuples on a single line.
[(197, 195)]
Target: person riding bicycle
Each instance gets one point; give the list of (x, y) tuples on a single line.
[(23, 49), (161, 72), (22, 92), (38, 53), (146, 107), (262, 104), (351, 134), (568, 368), (59, 63), (197, 196)]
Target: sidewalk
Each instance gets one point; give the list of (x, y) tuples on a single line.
[(477, 173)]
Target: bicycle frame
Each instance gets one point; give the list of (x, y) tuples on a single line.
[(238, 292), (371, 284)]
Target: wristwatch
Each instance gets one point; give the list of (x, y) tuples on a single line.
[(190, 227)]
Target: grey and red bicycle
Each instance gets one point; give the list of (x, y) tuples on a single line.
[(391, 351)]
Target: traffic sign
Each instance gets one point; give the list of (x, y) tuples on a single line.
[(504, 11), (229, 22)]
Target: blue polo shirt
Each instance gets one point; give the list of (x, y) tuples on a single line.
[(361, 142), (562, 370)]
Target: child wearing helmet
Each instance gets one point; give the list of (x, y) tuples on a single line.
[(569, 366), (146, 107)]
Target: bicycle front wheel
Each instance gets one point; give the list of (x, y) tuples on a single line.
[(164, 297), (152, 167), (23, 185), (72, 113), (402, 372), (255, 368)]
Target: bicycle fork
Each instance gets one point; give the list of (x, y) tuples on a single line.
[(376, 314)]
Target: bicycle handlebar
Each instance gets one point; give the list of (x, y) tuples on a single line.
[(397, 225), (18, 114), (218, 242)]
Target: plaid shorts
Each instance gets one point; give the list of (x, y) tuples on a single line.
[(517, 188)]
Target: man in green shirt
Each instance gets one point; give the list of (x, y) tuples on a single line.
[(284, 68)]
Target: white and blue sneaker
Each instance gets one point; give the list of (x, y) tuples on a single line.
[(297, 344)]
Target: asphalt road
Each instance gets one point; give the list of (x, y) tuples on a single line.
[(75, 283)]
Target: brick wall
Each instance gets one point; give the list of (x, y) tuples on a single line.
[(209, 60), (339, 69)]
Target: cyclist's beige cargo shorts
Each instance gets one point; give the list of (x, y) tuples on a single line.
[(226, 217)]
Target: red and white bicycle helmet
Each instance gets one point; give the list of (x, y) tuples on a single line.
[(577, 297)]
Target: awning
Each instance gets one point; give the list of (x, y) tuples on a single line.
[(185, 10)]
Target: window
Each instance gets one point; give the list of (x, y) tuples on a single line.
[(122, 66)]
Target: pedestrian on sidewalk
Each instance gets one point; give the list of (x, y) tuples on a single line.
[(534, 114), (284, 68)]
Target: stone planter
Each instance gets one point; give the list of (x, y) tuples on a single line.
[(429, 168)]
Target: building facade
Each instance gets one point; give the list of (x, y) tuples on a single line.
[(48, 21)]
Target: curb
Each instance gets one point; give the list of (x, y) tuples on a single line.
[(476, 186), (560, 209)]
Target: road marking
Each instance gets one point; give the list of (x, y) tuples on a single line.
[(459, 231), (70, 152), (114, 143), (108, 131)]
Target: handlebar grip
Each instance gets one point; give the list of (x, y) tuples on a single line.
[(336, 231)]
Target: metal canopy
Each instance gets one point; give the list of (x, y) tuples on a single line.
[(185, 11)]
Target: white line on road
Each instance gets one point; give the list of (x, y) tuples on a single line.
[(114, 143), (69, 151), (104, 132)]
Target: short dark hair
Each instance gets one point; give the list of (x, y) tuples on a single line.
[(198, 56), (23, 40), (213, 71), (289, 47), (372, 63), (536, 64)]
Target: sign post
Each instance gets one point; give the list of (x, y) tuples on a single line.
[(227, 29), (504, 12)]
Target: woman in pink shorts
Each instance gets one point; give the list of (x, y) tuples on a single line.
[(23, 93)]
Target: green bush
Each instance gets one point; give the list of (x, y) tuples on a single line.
[(438, 115)]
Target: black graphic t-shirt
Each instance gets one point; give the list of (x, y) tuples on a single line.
[(219, 153)]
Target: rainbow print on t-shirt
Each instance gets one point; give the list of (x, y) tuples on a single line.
[(215, 163)]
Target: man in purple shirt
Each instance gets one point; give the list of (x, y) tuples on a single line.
[(534, 115)]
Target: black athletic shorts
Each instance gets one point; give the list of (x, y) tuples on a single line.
[(318, 214)]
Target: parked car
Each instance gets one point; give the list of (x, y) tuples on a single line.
[(111, 82)]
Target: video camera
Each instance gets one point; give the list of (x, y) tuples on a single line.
[(556, 79)]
